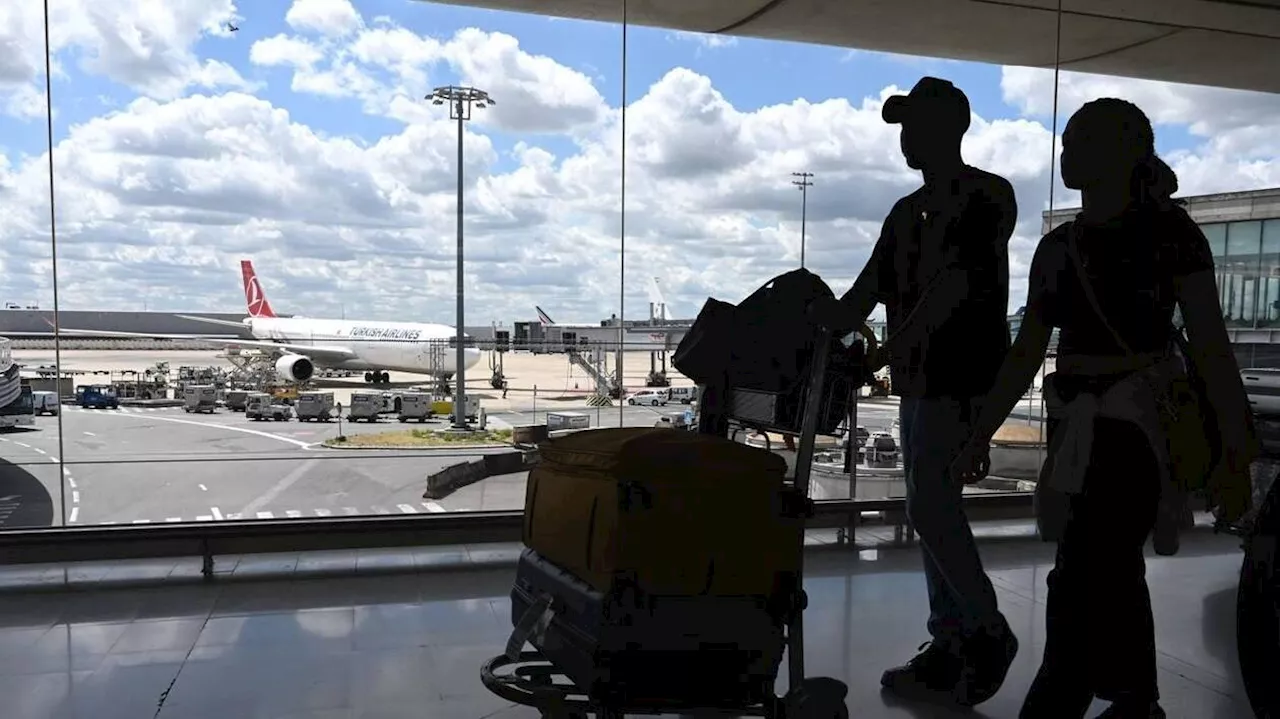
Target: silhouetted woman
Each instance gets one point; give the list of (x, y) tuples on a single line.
[(1141, 255)]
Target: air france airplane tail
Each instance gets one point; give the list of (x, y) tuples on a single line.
[(253, 294)]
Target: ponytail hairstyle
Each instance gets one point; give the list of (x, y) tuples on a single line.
[(1154, 182)]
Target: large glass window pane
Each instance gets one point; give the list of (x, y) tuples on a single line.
[(1243, 253), (307, 142), (1216, 233), (34, 491), (1269, 307)]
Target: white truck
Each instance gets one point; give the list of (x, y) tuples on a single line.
[(199, 398), (43, 403)]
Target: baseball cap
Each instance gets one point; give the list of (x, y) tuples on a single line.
[(932, 99)]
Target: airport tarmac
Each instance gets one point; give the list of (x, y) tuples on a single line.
[(546, 377), (153, 465)]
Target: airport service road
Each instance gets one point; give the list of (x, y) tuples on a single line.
[(156, 465), (136, 465)]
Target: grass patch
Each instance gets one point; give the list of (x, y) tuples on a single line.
[(422, 438)]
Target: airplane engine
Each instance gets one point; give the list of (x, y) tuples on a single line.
[(295, 368)]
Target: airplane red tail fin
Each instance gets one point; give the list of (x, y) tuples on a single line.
[(543, 317), (254, 297)]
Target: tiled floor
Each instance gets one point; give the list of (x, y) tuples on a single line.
[(376, 642)]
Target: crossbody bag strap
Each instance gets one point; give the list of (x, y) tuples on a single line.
[(1087, 286)]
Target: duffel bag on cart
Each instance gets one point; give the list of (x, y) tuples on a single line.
[(680, 513), (626, 649)]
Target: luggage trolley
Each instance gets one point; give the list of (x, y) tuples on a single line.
[(815, 406)]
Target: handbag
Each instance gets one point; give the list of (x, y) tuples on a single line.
[(1185, 424)]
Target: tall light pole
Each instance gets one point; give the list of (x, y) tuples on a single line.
[(460, 100), (804, 184)]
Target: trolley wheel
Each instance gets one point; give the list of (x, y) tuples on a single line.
[(818, 698)]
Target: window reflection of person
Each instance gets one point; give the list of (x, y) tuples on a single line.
[(1142, 255)]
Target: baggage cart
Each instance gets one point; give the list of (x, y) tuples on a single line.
[(827, 398), (315, 406), (415, 405)]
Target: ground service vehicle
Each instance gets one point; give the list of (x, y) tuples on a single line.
[(43, 403), (567, 420), (20, 412), (366, 406), (97, 396), (316, 406), (262, 407), (684, 395), (236, 399), (415, 405), (653, 397), (199, 398)]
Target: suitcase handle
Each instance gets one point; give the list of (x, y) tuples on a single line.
[(533, 623)]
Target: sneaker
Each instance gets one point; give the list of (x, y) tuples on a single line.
[(1132, 710), (987, 658), (934, 671)]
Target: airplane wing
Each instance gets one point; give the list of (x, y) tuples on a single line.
[(321, 353)]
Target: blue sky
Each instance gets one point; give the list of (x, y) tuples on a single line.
[(750, 73)]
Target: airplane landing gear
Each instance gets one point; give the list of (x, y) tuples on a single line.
[(377, 378)]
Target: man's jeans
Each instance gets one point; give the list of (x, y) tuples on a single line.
[(961, 598)]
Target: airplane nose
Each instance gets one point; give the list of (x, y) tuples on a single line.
[(471, 355)]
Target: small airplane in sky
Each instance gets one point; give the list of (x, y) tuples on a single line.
[(232, 28)]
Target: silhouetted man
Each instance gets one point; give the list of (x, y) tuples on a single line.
[(941, 269)]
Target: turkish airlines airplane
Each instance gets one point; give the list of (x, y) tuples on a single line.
[(302, 343)]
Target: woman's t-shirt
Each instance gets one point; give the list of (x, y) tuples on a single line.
[(1132, 262)]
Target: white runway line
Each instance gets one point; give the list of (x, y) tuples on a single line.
[(23, 444), (173, 519), (37, 450), (217, 515), (234, 515), (350, 511), (141, 521), (265, 515), (323, 513), (226, 427), (75, 514), (407, 508), (434, 507), (380, 510), (203, 488), (75, 497), (292, 513), (204, 518), (90, 434)]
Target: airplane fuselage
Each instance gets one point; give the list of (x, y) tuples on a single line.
[(395, 346)]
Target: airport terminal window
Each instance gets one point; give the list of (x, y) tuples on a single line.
[(1242, 261), (1216, 233), (1269, 314)]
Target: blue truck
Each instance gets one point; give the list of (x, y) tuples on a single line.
[(97, 396)]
